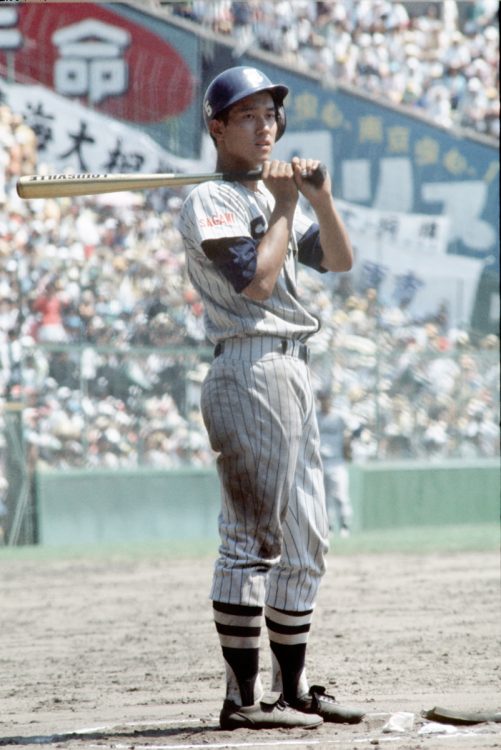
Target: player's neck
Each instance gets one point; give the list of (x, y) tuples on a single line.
[(230, 166)]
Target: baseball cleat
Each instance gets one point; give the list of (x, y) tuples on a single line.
[(271, 712), (317, 702)]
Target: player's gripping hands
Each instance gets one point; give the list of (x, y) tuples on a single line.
[(284, 180), (303, 169), (278, 177)]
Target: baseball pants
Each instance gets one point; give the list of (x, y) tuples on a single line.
[(259, 411)]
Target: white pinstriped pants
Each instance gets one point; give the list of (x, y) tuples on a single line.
[(260, 415)]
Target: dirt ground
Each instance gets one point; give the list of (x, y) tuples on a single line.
[(116, 652)]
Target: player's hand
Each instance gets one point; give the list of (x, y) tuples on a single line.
[(278, 176), (304, 167)]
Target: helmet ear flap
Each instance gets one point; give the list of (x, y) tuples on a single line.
[(281, 121)]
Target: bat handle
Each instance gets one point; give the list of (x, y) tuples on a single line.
[(316, 178)]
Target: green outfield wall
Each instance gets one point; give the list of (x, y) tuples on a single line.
[(390, 495), (106, 506), (119, 506)]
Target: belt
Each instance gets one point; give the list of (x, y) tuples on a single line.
[(254, 347)]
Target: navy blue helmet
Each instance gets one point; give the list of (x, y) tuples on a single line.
[(234, 84)]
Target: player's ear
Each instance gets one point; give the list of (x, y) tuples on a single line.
[(216, 129)]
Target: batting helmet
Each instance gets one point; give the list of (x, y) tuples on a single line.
[(234, 84)]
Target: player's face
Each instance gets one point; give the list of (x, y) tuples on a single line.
[(249, 135)]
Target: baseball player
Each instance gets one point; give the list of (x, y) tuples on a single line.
[(243, 241), (335, 445)]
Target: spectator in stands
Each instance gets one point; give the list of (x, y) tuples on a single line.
[(242, 16), (49, 302)]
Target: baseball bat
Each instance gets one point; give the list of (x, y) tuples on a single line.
[(70, 185)]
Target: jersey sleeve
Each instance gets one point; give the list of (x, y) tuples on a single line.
[(220, 228), (218, 211), (236, 258), (310, 251)]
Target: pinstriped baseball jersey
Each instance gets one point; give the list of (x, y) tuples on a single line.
[(222, 209)]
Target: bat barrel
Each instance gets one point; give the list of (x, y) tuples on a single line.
[(64, 185), (71, 185)]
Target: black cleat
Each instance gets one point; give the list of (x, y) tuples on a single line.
[(316, 701)]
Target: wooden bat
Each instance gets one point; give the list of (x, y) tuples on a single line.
[(69, 185)]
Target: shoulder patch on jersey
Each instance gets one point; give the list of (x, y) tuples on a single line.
[(227, 218)]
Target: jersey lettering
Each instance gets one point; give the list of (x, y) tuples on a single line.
[(225, 219)]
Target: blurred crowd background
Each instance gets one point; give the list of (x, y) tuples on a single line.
[(101, 334), (440, 57)]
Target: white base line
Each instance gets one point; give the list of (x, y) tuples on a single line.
[(276, 743), (222, 745), (126, 724)]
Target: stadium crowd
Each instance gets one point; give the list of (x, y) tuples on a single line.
[(101, 339), (443, 61)]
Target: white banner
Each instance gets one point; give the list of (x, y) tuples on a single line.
[(405, 255), (73, 138), (388, 230)]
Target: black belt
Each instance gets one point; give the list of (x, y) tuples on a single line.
[(288, 347)]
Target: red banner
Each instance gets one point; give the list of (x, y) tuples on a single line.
[(87, 52)]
